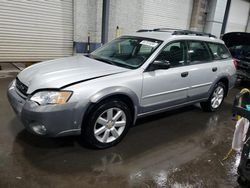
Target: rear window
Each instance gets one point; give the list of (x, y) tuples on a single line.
[(219, 51)]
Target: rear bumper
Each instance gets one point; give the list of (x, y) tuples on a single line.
[(58, 120)]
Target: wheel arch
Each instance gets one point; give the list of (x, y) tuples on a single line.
[(224, 80), (124, 94)]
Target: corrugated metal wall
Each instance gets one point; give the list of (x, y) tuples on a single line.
[(167, 13), (35, 30)]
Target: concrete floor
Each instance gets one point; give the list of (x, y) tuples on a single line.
[(182, 148)]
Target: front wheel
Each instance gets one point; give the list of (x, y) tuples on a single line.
[(107, 124), (216, 98)]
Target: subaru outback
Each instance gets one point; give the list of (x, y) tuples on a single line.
[(100, 95)]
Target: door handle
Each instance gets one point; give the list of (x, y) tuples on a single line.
[(184, 74), (214, 69)]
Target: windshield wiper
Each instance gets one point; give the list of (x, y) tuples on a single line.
[(103, 60), (111, 62), (124, 65)]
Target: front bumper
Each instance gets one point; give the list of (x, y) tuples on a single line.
[(58, 120)]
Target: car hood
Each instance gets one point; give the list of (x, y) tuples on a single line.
[(65, 71), (236, 38)]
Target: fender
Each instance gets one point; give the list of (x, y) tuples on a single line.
[(116, 90), (224, 76)]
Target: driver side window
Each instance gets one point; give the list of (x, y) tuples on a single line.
[(174, 54)]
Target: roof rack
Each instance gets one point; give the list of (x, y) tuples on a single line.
[(178, 32), (144, 30), (188, 32), (165, 29)]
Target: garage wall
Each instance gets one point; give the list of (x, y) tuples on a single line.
[(198, 17), (131, 16), (87, 19), (35, 30), (125, 14), (238, 16), (167, 13), (215, 15)]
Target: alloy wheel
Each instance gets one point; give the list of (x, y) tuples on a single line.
[(110, 125), (217, 97)]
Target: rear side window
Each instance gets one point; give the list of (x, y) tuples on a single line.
[(198, 52), (219, 51)]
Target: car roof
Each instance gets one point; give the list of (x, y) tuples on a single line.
[(169, 36)]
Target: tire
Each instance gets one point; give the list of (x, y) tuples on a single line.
[(101, 129), (218, 94)]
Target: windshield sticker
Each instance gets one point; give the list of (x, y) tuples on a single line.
[(149, 43)]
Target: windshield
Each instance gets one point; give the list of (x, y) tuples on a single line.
[(129, 52)]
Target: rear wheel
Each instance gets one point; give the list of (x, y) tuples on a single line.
[(216, 98), (107, 124)]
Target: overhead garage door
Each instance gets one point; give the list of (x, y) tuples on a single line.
[(35, 30), (167, 13), (238, 16)]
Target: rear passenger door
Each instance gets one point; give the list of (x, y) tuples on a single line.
[(222, 58), (202, 70)]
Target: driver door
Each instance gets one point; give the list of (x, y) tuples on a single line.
[(163, 88)]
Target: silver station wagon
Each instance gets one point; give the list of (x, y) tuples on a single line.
[(101, 95)]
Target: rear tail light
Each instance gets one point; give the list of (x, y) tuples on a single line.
[(235, 62)]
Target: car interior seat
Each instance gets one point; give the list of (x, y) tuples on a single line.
[(176, 56)]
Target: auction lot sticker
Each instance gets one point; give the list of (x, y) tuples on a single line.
[(149, 43)]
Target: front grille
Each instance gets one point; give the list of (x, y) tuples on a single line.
[(21, 87)]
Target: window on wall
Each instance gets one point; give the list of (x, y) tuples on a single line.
[(174, 54), (219, 51), (198, 52)]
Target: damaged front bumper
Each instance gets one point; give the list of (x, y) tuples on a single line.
[(49, 120)]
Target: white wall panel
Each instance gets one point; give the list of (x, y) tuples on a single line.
[(127, 15), (238, 16)]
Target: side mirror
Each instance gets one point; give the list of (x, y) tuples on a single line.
[(159, 64)]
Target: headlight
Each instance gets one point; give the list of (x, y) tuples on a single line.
[(51, 97)]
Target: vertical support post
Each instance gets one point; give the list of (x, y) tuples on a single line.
[(88, 44), (248, 23), (224, 24), (105, 20)]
